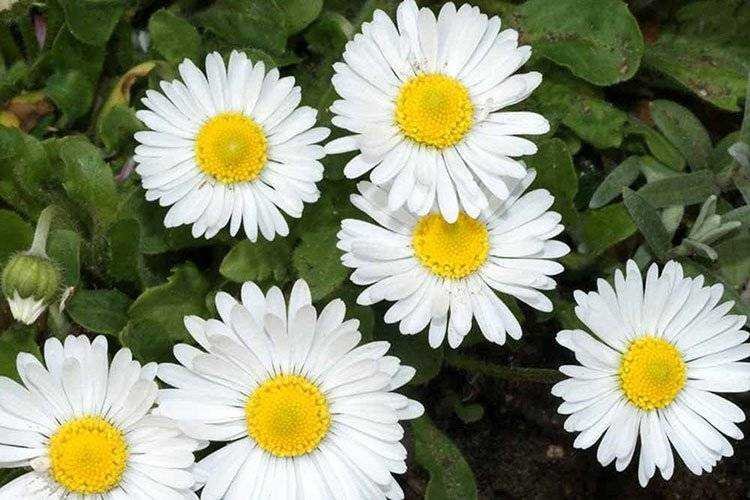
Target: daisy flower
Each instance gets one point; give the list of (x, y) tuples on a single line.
[(85, 428), (422, 97), (305, 411), (229, 147), (444, 275), (659, 354)]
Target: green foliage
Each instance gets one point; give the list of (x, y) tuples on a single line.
[(645, 158), (450, 475)]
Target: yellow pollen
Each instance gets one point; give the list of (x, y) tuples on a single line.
[(652, 373), (88, 455), (434, 110), (287, 416), (231, 147), (451, 250)]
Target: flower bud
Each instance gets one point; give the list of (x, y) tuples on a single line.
[(30, 283)]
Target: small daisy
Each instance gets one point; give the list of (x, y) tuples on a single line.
[(85, 428), (422, 100), (442, 274), (229, 147), (659, 355), (306, 411)]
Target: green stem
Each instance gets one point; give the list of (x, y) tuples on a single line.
[(513, 373), (39, 245)]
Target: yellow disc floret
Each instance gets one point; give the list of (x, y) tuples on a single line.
[(287, 416), (231, 147), (434, 109), (451, 250), (88, 455), (652, 373)]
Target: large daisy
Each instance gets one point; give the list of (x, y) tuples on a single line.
[(657, 355), (230, 147), (422, 101), (444, 275), (303, 409), (86, 430)]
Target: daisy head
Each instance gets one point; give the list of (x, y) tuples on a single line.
[(422, 99), (444, 275), (296, 402), (230, 146), (651, 364), (85, 428)]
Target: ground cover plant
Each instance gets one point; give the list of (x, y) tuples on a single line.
[(639, 129)]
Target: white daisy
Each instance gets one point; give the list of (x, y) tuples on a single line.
[(659, 355), (85, 428), (444, 275), (422, 101), (306, 412), (230, 147)]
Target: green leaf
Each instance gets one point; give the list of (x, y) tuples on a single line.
[(148, 341), (712, 71), (64, 247), (99, 311), (17, 234), (648, 221), (125, 261), (597, 40), (241, 23), (605, 227), (17, 339), (72, 92), (741, 214), (92, 21), (173, 37), (329, 33), (580, 107), (555, 172), (89, 181), (734, 257), (166, 305), (318, 262), (686, 189), (298, 14), (70, 54), (658, 145), (623, 175), (13, 80), (450, 474), (683, 130), (264, 261), (116, 127)]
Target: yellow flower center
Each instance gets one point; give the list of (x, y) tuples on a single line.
[(434, 109), (287, 416), (451, 250), (88, 455), (231, 147), (652, 373)]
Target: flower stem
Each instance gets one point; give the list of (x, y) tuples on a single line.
[(513, 373), (39, 245)]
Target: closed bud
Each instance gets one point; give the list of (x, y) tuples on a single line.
[(30, 283)]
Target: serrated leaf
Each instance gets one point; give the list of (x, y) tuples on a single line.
[(605, 227), (167, 304), (260, 262), (450, 474), (17, 234), (648, 221), (623, 175), (684, 131), (597, 40), (685, 189), (173, 37), (318, 262), (711, 71), (99, 311)]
